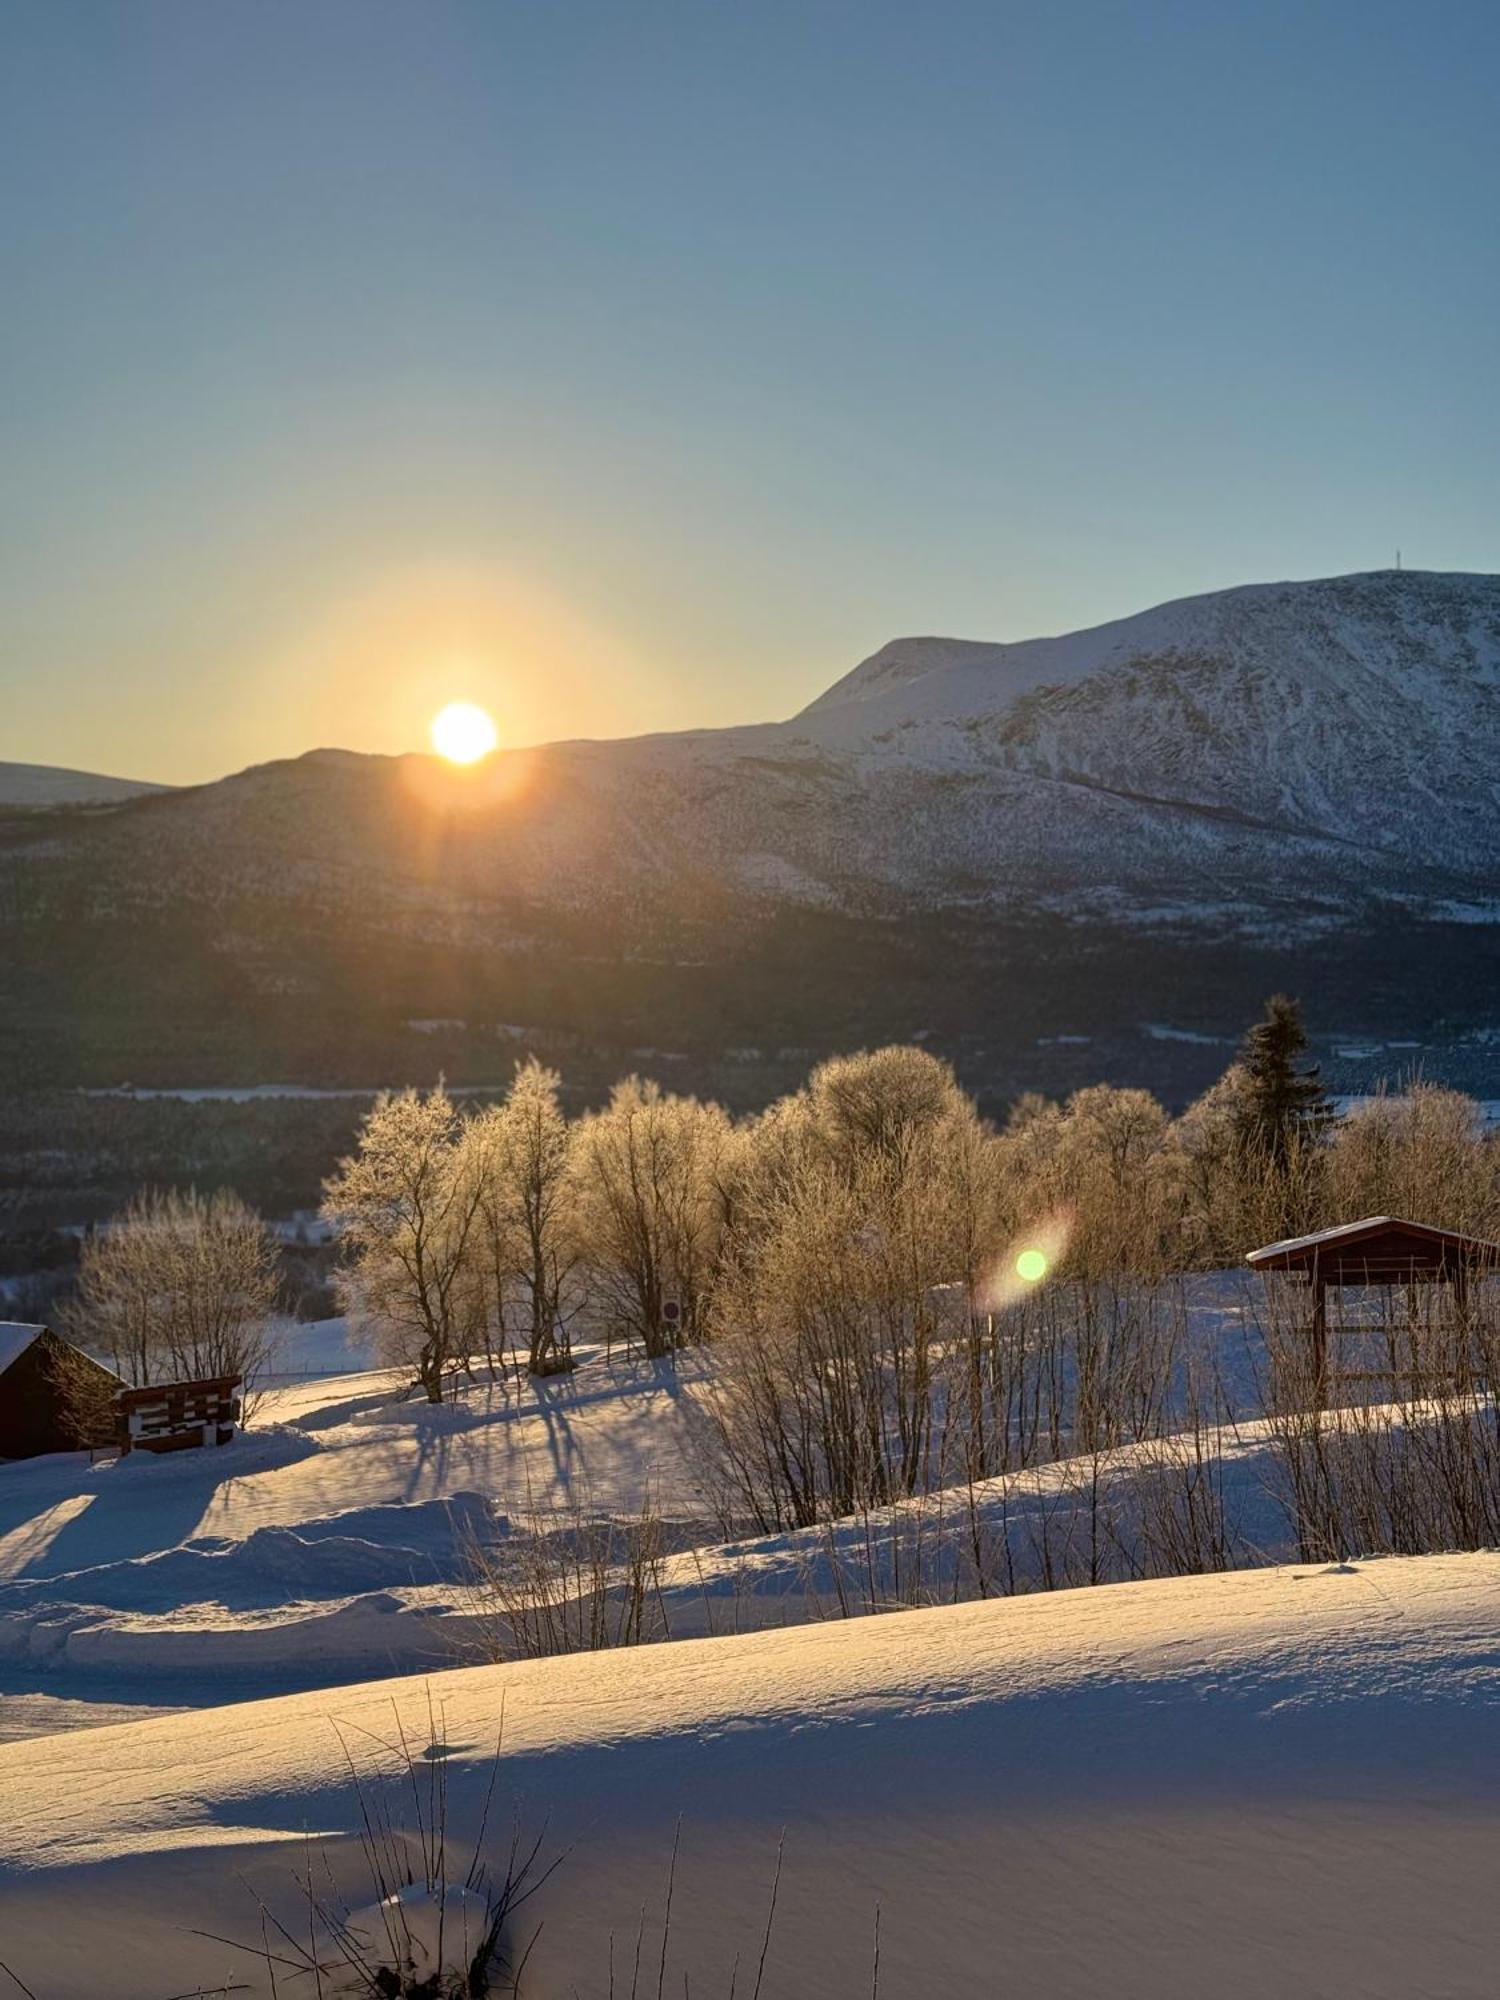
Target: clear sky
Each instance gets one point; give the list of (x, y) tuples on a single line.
[(644, 363)]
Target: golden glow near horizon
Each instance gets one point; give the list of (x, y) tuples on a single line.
[(1032, 1266), (463, 733)]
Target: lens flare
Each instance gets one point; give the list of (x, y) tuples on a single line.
[(1024, 1264), (463, 733)]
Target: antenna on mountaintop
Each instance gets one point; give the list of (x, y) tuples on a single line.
[(1398, 559)]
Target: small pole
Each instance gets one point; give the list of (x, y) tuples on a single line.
[(1320, 1342)]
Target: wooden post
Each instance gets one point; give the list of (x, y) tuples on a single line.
[(1463, 1355), (1320, 1341)]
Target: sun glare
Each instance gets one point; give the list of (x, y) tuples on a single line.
[(1032, 1266), (463, 733)]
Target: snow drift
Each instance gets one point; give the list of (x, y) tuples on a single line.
[(1269, 1782)]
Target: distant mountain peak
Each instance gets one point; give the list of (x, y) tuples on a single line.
[(53, 785), (897, 664), (1255, 771), (1378, 620)]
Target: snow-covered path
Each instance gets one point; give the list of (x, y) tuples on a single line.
[(1245, 1785)]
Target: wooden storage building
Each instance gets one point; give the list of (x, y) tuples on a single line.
[(53, 1397), (177, 1416), (1379, 1254)]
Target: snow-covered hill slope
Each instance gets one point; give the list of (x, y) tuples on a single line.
[(332, 1539), (1362, 709), (1257, 1783), (49, 785), (336, 1537)]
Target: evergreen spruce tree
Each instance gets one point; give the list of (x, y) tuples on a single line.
[(1282, 1105)]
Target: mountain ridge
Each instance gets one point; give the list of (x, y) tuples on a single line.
[(44, 786), (902, 659), (1250, 773), (1246, 740)]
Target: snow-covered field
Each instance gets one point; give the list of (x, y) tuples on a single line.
[(335, 1538), (1256, 1784), (330, 1540), (1278, 1779)]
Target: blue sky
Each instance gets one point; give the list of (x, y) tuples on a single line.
[(632, 366)]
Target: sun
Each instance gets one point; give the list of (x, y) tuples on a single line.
[(463, 733)]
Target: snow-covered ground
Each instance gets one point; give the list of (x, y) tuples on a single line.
[(1272, 1780), (329, 1540), (1269, 1782), (336, 1537)]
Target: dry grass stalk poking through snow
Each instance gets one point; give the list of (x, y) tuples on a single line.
[(426, 1931), (581, 1584)]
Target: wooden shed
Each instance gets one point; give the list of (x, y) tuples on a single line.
[(1380, 1250), (1378, 1254), (178, 1416), (53, 1397)]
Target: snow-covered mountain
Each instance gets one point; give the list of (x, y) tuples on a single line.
[(50, 785), (1214, 759), (1216, 755), (1360, 710), (1230, 777)]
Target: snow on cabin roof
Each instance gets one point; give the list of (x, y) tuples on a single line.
[(1370, 1225), (15, 1338)]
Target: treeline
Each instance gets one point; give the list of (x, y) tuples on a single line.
[(900, 1296), (69, 1157), (866, 1255), (474, 1234)]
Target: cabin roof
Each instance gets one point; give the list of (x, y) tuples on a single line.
[(1425, 1241), (15, 1338)]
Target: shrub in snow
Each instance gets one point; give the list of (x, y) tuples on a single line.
[(179, 1286), (425, 1932), (423, 1943)]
